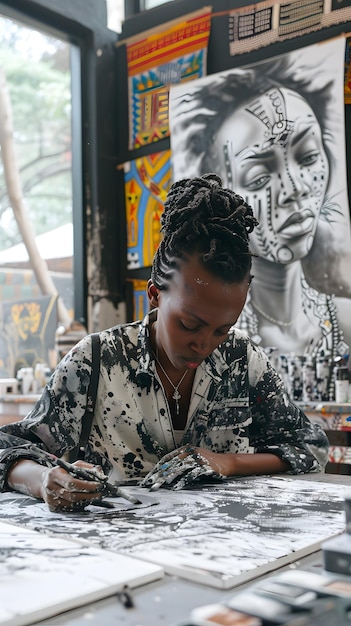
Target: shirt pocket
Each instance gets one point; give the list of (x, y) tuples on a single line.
[(224, 428), (228, 414)]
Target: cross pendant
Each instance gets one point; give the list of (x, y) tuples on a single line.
[(176, 396)]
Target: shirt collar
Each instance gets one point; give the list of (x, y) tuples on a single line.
[(215, 364), (146, 361)]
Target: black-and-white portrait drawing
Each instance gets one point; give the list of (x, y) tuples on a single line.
[(274, 132)]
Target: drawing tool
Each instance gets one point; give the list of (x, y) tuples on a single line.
[(115, 490), (90, 474), (106, 504), (125, 597)]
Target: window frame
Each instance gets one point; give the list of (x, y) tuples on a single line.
[(83, 24)]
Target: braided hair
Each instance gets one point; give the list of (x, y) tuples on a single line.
[(202, 217)]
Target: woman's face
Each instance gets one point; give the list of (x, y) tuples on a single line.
[(195, 314), (271, 152)]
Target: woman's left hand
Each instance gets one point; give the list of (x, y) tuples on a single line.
[(183, 466)]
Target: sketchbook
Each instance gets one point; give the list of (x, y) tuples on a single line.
[(42, 575), (221, 535)]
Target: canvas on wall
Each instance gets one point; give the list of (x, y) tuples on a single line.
[(274, 131), (347, 74), (146, 183), (27, 333), (264, 23), (221, 534), (140, 298), (156, 59)]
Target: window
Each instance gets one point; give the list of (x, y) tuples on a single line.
[(115, 14), (151, 4), (36, 189), (37, 199)]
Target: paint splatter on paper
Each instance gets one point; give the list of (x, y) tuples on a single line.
[(221, 535), (53, 574)]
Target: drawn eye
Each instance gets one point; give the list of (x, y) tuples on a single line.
[(258, 183), (309, 159)]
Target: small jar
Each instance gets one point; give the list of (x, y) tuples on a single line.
[(341, 385)]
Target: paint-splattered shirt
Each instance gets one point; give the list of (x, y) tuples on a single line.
[(238, 404)]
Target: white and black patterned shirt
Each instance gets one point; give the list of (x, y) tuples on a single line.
[(238, 404)]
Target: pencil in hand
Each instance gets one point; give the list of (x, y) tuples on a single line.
[(115, 490), (91, 474), (108, 489)]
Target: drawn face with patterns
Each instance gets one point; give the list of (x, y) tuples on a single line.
[(271, 152)]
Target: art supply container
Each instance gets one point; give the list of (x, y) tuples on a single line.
[(309, 381), (25, 377), (295, 365), (323, 374), (341, 385)]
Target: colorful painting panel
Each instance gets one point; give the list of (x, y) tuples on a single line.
[(146, 182), (140, 299), (176, 55), (27, 333), (347, 76)]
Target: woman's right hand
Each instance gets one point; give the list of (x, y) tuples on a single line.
[(59, 489), (63, 492)]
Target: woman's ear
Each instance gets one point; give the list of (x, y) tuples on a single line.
[(152, 293)]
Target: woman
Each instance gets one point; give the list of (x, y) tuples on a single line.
[(182, 395), (266, 135)]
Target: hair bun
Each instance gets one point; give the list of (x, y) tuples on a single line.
[(213, 178)]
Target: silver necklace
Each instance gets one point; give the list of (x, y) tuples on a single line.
[(176, 395), (271, 319)]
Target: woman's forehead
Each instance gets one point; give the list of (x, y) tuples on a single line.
[(195, 285)]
